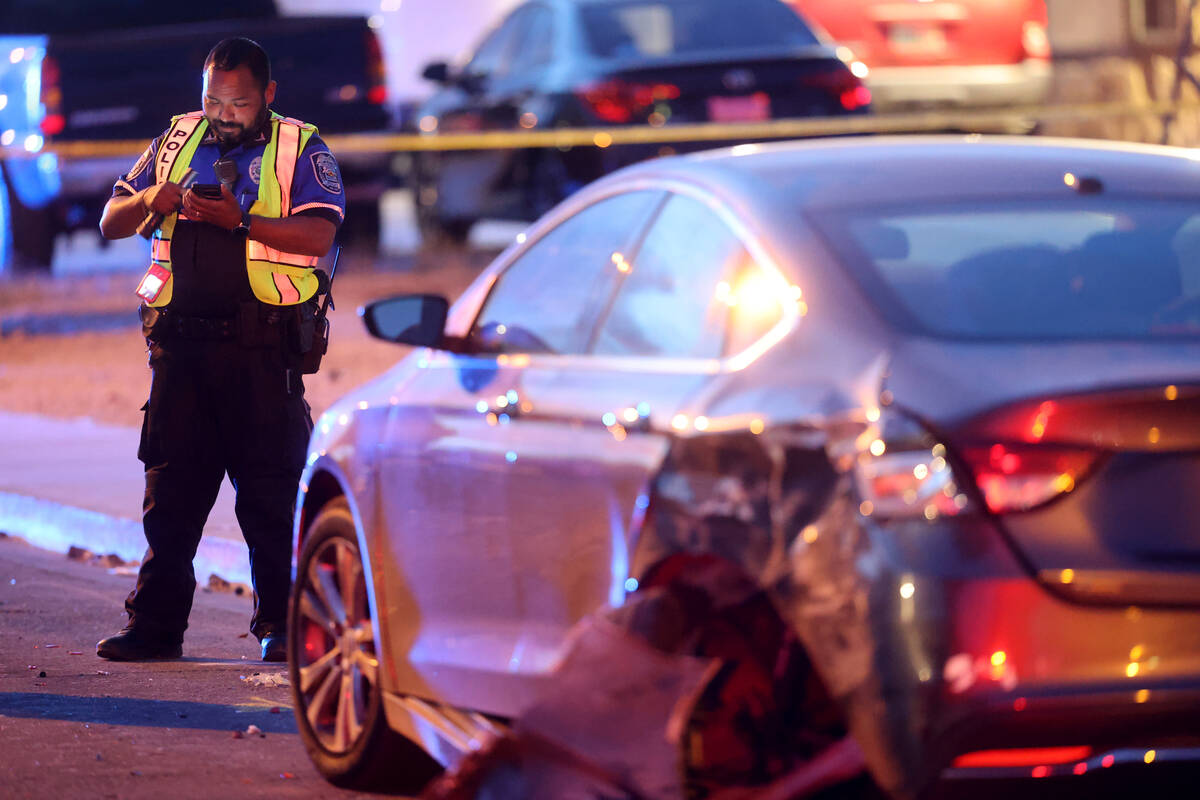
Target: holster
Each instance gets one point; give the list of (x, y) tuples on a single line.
[(312, 333), (154, 323), (317, 336)]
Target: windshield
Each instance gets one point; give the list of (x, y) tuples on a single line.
[(656, 28), (1091, 268)]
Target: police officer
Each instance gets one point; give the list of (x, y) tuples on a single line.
[(227, 310)]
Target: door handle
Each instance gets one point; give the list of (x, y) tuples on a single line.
[(508, 404), (635, 418)]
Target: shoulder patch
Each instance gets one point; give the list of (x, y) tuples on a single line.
[(326, 170), (141, 164), (256, 170)]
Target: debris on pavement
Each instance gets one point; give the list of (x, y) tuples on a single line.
[(254, 730), (218, 584), (78, 553), (267, 679), (50, 646), (74, 652), (109, 561), (287, 776)]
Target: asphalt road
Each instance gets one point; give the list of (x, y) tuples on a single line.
[(76, 726)]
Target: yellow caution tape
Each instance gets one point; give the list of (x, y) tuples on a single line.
[(983, 120)]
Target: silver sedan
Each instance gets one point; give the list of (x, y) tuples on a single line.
[(937, 400)]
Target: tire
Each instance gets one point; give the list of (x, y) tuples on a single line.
[(438, 232), (335, 670), (436, 229)]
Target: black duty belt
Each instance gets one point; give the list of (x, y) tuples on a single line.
[(201, 328), (254, 326)]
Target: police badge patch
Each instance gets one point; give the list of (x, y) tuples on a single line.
[(140, 166), (326, 170), (256, 169)]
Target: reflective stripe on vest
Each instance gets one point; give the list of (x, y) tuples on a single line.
[(170, 162), (276, 277)]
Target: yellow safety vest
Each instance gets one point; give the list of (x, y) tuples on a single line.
[(277, 278)]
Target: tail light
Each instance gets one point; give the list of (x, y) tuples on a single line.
[(909, 483), (618, 101), (905, 472), (53, 120), (1034, 40), (841, 83), (376, 72), (1019, 477)]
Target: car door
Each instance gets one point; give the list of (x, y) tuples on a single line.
[(595, 428), (447, 494), (496, 84)]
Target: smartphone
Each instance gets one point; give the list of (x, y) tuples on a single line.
[(210, 191)]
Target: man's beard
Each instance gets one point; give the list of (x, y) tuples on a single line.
[(240, 134)]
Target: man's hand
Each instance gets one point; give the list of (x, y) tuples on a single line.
[(163, 198), (224, 213)]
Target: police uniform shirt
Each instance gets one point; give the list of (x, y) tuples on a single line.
[(209, 263)]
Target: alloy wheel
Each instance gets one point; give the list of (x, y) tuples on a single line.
[(338, 665)]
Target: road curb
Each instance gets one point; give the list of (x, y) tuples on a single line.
[(57, 527)]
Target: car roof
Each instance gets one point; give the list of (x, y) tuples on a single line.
[(895, 169)]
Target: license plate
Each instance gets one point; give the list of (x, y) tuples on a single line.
[(917, 38), (748, 108)]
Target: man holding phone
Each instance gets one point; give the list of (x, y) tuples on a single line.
[(240, 203)]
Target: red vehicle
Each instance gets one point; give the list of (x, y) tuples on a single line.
[(943, 52)]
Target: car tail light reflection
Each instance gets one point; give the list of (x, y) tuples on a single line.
[(1020, 477), (376, 71), (1023, 757), (53, 121), (908, 483), (617, 101), (843, 84)]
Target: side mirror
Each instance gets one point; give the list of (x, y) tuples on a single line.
[(416, 319), (437, 72)]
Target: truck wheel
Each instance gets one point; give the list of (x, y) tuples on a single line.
[(335, 670)]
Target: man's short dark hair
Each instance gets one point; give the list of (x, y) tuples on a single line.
[(229, 54)]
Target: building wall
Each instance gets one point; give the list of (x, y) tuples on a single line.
[(1087, 26)]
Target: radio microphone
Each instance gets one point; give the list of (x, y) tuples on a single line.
[(154, 219)]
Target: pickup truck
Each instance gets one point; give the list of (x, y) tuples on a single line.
[(97, 71)]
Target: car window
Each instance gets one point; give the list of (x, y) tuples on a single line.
[(671, 27), (692, 291), (493, 54), (1051, 269), (547, 301), (536, 44)]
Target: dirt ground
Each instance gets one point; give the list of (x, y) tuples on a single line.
[(103, 374)]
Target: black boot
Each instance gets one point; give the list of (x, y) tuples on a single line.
[(274, 647), (133, 645)]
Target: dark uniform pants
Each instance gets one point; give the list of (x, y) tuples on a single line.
[(218, 407)]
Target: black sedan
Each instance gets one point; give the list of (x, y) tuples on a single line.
[(588, 63)]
